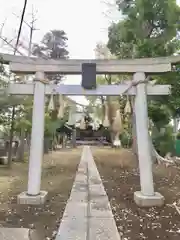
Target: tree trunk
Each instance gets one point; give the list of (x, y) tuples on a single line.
[(28, 137), (46, 145), (11, 137), (153, 151), (55, 142), (103, 107), (175, 127), (20, 153), (64, 141), (74, 138)]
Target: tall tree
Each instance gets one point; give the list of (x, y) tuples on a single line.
[(53, 46), (150, 29), (13, 108)]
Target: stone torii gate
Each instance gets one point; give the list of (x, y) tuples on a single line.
[(136, 67)]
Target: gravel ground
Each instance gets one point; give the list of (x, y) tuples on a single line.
[(59, 170), (120, 175)]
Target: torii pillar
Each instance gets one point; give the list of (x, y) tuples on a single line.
[(146, 197), (33, 194), (137, 67)]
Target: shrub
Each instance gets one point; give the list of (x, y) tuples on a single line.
[(164, 142), (126, 139)]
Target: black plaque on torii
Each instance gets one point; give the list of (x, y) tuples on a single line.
[(89, 76)]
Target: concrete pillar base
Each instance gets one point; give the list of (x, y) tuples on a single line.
[(148, 201), (24, 198)]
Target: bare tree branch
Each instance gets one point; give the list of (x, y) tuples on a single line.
[(9, 43), (2, 26), (31, 24)]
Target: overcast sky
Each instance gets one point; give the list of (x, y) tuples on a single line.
[(84, 21)]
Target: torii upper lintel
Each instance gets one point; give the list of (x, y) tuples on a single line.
[(27, 65)]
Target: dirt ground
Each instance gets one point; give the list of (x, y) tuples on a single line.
[(58, 174), (120, 176), (119, 172)]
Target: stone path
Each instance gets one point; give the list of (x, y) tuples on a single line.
[(88, 214), (17, 234)]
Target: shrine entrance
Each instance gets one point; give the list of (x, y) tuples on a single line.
[(139, 87)]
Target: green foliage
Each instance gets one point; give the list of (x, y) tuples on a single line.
[(22, 104), (149, 29), (173, 100), (159, 114), (51, 125), (178, 135), (54, 46), (126, 139), (23, 115), (164, 142)]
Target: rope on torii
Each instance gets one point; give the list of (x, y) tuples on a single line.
[(106, 122), (51, 105), (62, 106), (117, 123), (153, 150), (133, 83), (127, 108)]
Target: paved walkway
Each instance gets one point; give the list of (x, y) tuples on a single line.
[(88, 214), (17, 234)]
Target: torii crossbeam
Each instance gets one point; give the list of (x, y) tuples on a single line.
[(22, 64), (74, 90), (138, 68)]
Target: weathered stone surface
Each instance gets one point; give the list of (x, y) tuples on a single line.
[(14, 234), (104, 229), (157, 200), (81, 178), (80, 187), (78, 196), (23, 198), (94, 180), (33, 235), (100, 207), (72, 229), (76, 209), (88, 212), (96, 190)]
